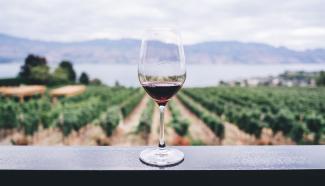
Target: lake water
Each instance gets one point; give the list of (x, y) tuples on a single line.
[(197, 75)]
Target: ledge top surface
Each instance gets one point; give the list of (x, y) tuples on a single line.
[(196, 158)]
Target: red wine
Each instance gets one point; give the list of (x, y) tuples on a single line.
[(161, 92)]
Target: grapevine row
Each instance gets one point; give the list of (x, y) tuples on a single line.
[(144, 126), (178, 123), (213, 122)]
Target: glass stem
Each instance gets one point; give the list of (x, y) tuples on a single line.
[(161, 127)]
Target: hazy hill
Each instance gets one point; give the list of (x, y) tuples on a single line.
[(126, 51)]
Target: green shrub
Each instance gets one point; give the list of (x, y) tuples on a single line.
[(30, 123), (8, 115), (179, 124), (144, 126), (297, 132), (130, 103), (110, 120)]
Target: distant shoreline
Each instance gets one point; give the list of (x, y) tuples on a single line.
[(197, 75)]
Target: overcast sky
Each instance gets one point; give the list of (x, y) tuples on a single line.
[(297, 24)]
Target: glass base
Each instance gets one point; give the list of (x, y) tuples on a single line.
[(161, 156)]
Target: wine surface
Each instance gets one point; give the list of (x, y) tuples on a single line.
[(161, 92)]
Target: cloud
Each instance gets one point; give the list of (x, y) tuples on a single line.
[(291, 23)]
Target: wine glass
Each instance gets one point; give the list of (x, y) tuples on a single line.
[(161, 73)]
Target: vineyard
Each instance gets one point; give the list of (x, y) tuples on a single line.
[(297, 113), (196, 116)]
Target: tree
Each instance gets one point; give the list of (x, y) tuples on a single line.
[(35, 70), (40, 74), (67, 65), (30, 62), (84, 79), (60, 76), (321, 79), (117, 84)]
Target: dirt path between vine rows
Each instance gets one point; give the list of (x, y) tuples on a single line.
[(235, 136), (123, 135), (43, 137), (7, 135), (198, 130), (89, 135)]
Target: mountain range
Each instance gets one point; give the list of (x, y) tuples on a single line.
[(126, 51)]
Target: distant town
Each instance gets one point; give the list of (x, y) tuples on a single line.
[(287, 79)]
